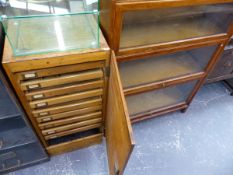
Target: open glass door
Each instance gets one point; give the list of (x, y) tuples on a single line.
[(120, 142)]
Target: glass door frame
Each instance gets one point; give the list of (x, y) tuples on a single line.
[(122, 7)]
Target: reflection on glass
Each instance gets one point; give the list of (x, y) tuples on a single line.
[(159, 68), (52, 33), (39, 7), (145, 27), (142, 103)]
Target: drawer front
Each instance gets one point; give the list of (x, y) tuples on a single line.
[(13, 131), (62, 90), (61, 80), (66, 98), (68, 114), (21, 156), (67, 107), (70, 120), (224, 65), (57, 70), (71, 126)]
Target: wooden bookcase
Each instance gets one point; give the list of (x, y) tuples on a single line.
[(164, 52), (165, 49)]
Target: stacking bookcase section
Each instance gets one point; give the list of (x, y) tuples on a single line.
[(63, 94), (164, 49), (151, 71), (139, 27)]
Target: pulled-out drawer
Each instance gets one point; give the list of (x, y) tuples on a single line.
[(67, 107), (62, 79), (66, 98)]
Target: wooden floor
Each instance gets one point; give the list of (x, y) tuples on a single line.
[(198, 142)]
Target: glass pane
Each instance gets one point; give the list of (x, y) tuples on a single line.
[(164, 25), (158, 68), (153, 100), (39, 7), (52, 33)]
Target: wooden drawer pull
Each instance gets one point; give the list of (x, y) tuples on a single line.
[(33, 86), (39, 105), (46, 119), (43, 113), (37, 96), (30, 75)]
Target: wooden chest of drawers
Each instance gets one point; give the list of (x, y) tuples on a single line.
[(64, 94)]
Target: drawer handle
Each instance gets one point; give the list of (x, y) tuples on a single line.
[(33, 86), (37, 96), (18, 162), (43, 113), (46, 119), (51, 132), (53, 137), (30, 75), (39, 105)]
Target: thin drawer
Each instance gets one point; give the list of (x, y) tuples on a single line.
[(62, 90), (57, 70), (66, 98), (69, 114), (71, 126), (62, 79), (67, 107), (72, 131), (70, 120)]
